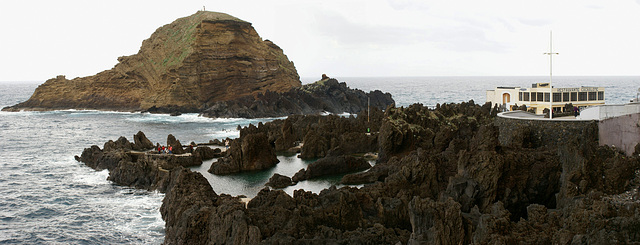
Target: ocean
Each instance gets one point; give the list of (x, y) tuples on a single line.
[(48, 197)]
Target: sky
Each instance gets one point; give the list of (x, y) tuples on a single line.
[(341, 38)]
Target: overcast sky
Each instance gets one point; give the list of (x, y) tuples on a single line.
[(342, 38)]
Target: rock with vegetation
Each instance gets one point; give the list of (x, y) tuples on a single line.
[(185, 66)]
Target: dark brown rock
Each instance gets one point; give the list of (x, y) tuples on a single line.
[(435, 222), (140, 142), (120, 144), (319, 97), (248, 153), (331, 166), (279, 181), (195, 214), (206, 153), (288, 138), (145, 173), (98, 159), (315, 145), (175, 145)]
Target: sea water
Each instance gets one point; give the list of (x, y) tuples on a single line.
[(48, 197)]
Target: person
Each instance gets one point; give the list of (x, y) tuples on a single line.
[(164, 150), (170, 150), (190, 148), (226, 144), (575, 111), (159, 149)]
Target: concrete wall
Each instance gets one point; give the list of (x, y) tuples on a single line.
[(623, 132), (609, 111)]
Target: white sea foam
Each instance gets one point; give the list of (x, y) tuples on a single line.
[(223, 134), (92, 178)]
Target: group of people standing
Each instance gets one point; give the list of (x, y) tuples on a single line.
[(165, 150)]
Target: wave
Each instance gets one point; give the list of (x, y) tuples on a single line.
[(223, 134), (92, 178)]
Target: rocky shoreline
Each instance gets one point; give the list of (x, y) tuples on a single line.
[(442, 176)]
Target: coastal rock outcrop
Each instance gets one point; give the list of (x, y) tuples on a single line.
[(140, 169), (195, 214), (175, 144), (185, 66), (279, 181), (331, 166), (323, 96), (141, 143), (206, 153), (248, 153)]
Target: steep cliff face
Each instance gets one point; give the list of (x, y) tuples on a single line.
[(184, 66)]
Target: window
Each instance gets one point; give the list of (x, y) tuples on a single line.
[(582, 96), (557, 97), (565, 97), (546, 97), (592, 96), (574, 96), (540, 96), (600, 95), (520, 96), (526, 96)]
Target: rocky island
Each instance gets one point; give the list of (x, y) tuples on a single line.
[(210, 63)]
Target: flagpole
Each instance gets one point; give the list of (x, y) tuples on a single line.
[(551, 53)]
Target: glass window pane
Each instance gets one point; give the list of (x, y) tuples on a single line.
[(582, 96)]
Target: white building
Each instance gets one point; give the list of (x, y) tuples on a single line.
[(537, 97)]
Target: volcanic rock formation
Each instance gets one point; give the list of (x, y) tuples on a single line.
[(184, 66), (444, 176)]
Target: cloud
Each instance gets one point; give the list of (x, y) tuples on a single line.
[(536, 22), (346, 32), (460, 37), (465, 39), (408, 4)]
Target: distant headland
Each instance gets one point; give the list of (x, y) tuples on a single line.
[(203, 62)]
